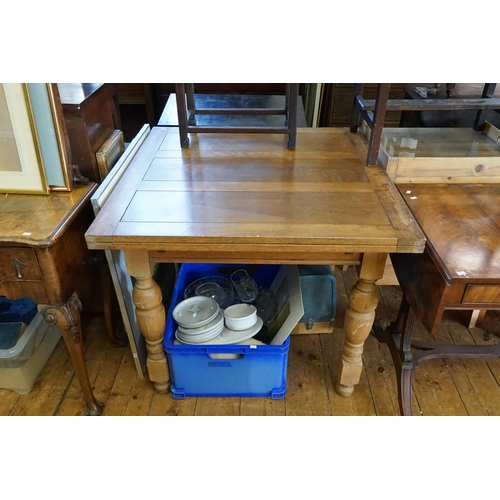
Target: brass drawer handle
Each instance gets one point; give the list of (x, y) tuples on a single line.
[(18, 266)]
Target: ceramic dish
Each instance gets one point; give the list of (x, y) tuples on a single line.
[(202, 336), (240, 317), (198, 339), (195, 312), (217, 323), (229, 336)]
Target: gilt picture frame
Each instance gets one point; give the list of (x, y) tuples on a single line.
[(34, 148), (109, 153), (21, 165), (52, 135)]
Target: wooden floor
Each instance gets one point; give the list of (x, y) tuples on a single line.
[(441, 387)]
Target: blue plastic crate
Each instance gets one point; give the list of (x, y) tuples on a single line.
[(225, 370), (9, 334)]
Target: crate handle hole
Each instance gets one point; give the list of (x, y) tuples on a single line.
[(225, 356)]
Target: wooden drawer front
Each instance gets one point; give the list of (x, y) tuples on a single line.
[(482, 294), (31, 270)]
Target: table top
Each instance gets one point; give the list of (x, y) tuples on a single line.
[(39, 220), (249, 197), (462, 226)]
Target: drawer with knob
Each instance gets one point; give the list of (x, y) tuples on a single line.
[(19, 264)]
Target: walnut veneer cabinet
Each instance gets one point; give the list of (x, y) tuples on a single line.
[(91, 115), (42, 249), (246, 198)]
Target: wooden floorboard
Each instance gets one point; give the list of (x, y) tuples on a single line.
[(440, 386)]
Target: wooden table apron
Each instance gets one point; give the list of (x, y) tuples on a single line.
[(246, 198)]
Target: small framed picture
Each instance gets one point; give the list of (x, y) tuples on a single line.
[(110, 152)]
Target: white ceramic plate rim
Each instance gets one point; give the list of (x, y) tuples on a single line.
[(213, 325), (195, 340), (231, 336), (199, 338)]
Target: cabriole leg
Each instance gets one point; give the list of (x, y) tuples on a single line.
[(66, 319)]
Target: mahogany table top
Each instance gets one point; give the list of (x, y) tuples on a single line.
[(462, 226)]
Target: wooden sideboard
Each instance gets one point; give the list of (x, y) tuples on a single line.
[(91, 115), (42, 249)]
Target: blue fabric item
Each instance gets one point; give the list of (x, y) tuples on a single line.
[(20, 310)]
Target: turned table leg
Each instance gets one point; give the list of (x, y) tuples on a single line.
[(66, 318), (151, 317), (360, 314)]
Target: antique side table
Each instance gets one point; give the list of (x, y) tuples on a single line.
[(459, 269), (42, 249)]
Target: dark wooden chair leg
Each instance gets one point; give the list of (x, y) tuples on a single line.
[(287, 102), (180, 92), (378, 123), (191, 104), (488, 91), (292, 97), (358, 91)]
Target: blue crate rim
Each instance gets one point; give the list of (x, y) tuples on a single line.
[(170, 347), (23, 339), (278, 393)]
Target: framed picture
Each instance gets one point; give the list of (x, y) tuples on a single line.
[(21, 167), (52, 136), (34, 152), (109, 153)]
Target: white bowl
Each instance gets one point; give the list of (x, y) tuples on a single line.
[(240, 316)]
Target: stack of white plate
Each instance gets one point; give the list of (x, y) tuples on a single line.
[(199, 320)]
